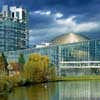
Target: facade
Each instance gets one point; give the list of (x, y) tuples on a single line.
[(14, 33), (70, 59)]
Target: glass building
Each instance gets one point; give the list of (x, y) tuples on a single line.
[(13, 29), (82, 57)]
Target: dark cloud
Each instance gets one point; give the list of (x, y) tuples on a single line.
[(86, 11)]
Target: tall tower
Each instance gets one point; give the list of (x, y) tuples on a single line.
[(14, 33)]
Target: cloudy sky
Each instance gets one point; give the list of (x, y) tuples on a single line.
[(50, 18)]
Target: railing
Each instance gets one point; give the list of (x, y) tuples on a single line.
[(65, 67)]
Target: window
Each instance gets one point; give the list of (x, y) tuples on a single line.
[(12, 14), (17, 15), (5, 13)]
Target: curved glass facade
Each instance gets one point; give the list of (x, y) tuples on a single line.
[(84, 54)]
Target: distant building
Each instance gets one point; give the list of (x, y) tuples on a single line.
[(69, 38), (42, 45), (14, 33)]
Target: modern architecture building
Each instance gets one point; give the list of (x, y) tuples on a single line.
[(14, 33), (69, 38), (75, 54)]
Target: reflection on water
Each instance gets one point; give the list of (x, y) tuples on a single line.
[(83, 90), (73, 90)]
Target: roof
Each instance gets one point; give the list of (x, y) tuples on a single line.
[(69, 38)]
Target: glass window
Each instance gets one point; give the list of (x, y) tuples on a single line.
[(17, 15)]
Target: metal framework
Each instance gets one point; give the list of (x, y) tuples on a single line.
[(14, 34)]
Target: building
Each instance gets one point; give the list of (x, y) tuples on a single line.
[(14, 33), (75, 55), (69, 38), (41, 45)]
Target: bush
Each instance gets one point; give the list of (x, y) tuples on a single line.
[(37, 68), (5, 85)]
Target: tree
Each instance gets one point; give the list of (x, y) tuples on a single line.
[(21, 61), (3, 62), (52, 72), (36, 67), (45, 62)]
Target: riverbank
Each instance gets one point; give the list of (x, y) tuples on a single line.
[(7, 86)]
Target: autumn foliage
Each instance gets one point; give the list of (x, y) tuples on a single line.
[(36, 68)]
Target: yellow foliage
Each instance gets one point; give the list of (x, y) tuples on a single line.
[(36, 67), (2, 65)]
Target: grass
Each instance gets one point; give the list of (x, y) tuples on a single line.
[(78, 78)]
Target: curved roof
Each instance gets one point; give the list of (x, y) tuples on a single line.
[(69, 38)]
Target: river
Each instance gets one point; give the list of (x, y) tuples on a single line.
[(69, 90)]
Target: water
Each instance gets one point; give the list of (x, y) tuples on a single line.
[(71, 90)]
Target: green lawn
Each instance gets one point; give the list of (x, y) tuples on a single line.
[(76, 78)]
